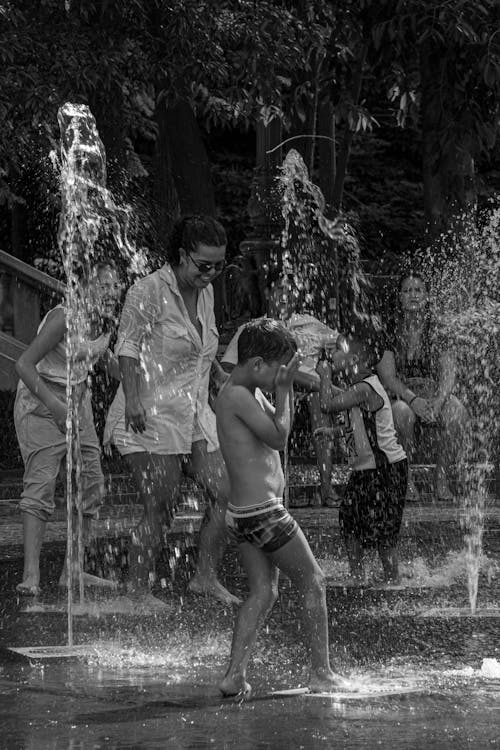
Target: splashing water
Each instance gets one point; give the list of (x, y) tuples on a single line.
[(467, 290), (320, 256), (88, 218)]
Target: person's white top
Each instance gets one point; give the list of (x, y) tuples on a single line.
[(371, 437), (311, 336), (175, 363), (53, 366)]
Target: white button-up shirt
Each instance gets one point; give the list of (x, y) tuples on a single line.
[(175, 362)]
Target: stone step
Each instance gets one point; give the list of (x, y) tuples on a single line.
[(303, 483)]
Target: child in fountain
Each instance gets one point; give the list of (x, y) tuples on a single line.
[(40, 414), (371, 509), (251, 433)]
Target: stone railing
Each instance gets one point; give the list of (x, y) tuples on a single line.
[(22, 288)]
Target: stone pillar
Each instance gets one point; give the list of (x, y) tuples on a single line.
[(262, 246)]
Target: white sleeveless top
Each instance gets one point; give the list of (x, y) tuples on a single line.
[(52, 366), (371, 438)]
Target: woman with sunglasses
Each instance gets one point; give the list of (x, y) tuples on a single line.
[(160, 420)]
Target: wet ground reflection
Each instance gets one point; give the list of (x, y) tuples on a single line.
[(151, 680), (129, 697)]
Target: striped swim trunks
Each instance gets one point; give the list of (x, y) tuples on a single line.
[(267, 525)]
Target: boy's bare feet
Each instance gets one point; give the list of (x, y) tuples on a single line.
[(237, 687), (330, 682), (88, 580), (28, 587), (212, 587)]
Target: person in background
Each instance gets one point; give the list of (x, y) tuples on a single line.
[(40, 414), (160, 419), (372, 506), (419, 372), (251, 433), (312, 337)]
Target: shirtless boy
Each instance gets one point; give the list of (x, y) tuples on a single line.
[(251, 433)]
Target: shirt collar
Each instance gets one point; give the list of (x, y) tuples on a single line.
[(168, 276)]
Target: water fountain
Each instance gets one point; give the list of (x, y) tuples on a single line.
[(88, 216), (467, 288), (171, 682)]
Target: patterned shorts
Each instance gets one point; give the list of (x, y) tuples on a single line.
[(267, 526)]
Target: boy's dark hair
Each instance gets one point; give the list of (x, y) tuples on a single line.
[(189, 231), (266, 338), (367, 341)]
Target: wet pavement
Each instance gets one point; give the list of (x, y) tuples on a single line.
[(150, 680)]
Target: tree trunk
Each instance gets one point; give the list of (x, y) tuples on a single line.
[(167, 203), (189, 160), (327, 151), (448, 170), (345, 148), (180, 136)]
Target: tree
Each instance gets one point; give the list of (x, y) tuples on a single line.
[(444, 68)]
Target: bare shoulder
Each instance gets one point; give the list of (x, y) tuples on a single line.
[(236, 399)]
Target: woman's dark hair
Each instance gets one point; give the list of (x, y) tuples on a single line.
[(189, 231), (266, 338)]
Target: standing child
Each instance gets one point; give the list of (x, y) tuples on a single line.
[(251, 434), (40, 418), (371, 509)]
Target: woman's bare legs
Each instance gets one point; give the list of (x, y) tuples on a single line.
[(209, 470), (33, 533), (323, 447), (157, 477), (454, 420), (263, 592)]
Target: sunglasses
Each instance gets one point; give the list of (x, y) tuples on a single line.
[(204, 266)]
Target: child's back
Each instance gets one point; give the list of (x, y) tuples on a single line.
[(374, 440)]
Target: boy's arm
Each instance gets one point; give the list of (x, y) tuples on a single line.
[(333, 399), (344, 400), (271, 429)]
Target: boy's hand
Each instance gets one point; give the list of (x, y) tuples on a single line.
[(324, 369), (286, 373)]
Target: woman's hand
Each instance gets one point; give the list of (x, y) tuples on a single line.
[(436, 405), (423, 409), (107, 449), (60, 412), (135, 416)]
